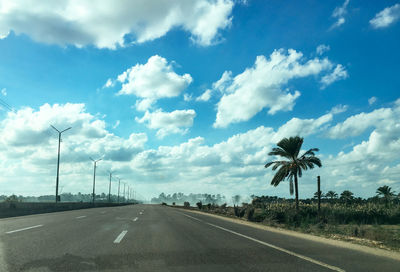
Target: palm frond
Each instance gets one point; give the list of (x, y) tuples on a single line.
[(280, 175)]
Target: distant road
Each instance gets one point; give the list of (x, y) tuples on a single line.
[(157, 238)]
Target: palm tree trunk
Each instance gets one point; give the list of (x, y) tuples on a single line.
[(296, 188)]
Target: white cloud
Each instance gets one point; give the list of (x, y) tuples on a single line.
[(261, 86), (4, 92), (386, 17), (116, 124), (205, 96), (322, 48), (339, 109), (357, 124), (339, 13), (151, 81), (166, 123), (77, 22), (109, 83), (372, 100), (187, 97), (337, 74), (234, 165), (303, 127)]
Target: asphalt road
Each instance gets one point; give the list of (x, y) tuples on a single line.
[(158, 238)]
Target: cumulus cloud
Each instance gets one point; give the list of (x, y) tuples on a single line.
[(261, 86), (386, 17), (339, 14), (204, 97), (233, 165), (109, 24), (357, 124), (322, 48), (166, 123), (339, 109), (337, 74), (151, 81)]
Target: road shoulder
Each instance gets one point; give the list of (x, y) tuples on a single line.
[(374, 251)]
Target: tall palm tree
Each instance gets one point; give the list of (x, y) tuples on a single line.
[(293, 166), (385, 192)]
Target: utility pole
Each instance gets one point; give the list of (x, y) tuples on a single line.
[(58, 159), (128, 193), (94, 176), (124, 193), (109, 188), (319, 194), (119, 184)]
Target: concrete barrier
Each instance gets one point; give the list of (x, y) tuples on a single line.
[(10, 209)]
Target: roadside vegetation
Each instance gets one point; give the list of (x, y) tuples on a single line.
[(374, 221)]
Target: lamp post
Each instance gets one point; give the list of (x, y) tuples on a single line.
[(58, 159), (94, 176), (109, 188), (119, 184)]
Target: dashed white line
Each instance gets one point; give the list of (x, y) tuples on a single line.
[(27, 228), (120, 237), (334, 268), (79, 217), (135, 219), (141, 213)]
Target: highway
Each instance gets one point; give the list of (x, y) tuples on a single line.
[(159, 238)]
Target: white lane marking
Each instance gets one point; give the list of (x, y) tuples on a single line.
[(103, 212), (141, 213), (120, 237), (334, 268), (192, 217), (12, 231), (79, 217), (135, 219)]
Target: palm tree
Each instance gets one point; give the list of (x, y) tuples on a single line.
[(331, 194), (294, 165), (386, 193), (347, 196)]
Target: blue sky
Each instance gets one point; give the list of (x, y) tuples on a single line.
[(198, 93)]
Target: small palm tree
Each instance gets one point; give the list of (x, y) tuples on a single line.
[(331, 195), (386, 193), (347, 196), (293, 166)]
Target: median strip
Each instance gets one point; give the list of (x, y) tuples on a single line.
[(120, 237), (12, 231)]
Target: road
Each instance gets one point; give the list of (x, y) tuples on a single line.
[(158, 238)]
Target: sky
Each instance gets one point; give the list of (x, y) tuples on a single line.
[(191, 96)]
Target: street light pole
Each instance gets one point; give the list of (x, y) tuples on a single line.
[(119, 184), (109, 188), (58, 158), (124, 193), (94, 176)]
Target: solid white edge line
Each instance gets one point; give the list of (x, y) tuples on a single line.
[(12, 231), (120, 237), (334, 268), (193, 217)]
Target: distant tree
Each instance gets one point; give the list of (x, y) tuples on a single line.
[(293, 166), (236, 199), (316, 195), (331, 195), (347, 196), (386, 193)]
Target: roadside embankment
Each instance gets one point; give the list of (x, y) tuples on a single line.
[(11, 209)]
